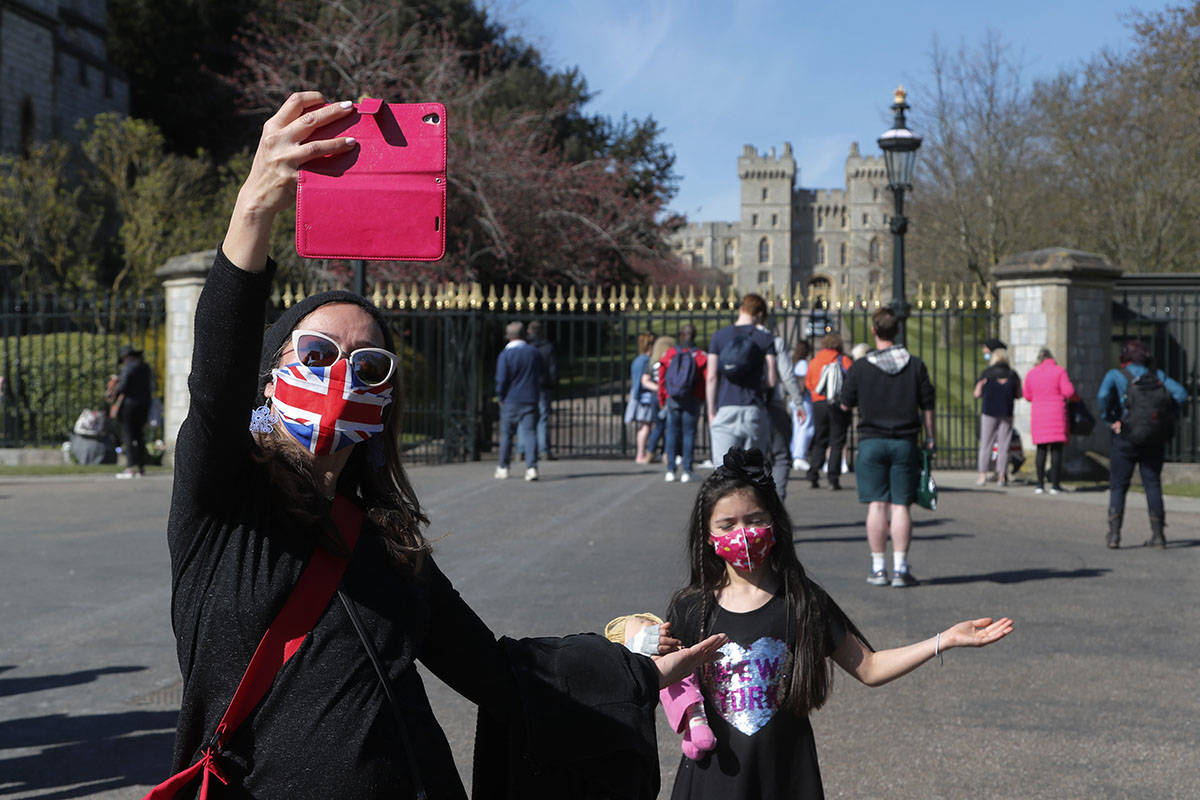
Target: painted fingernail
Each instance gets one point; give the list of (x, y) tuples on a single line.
[(345, 104), (350, 140)]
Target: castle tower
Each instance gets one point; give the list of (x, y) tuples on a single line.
[(869, 203), (765, 240)]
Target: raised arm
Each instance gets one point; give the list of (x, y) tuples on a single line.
[(876, 669), (271, 185)]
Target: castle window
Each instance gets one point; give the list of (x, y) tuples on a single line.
[(774, 220), (729, 254), (866, 218), (764, 276), (873, 277), (845, 219), (820, 255), (764, 193), (820, 217), (842, 254), (875, 193), (873, 250), (26, 125), (764, 250), (753, 220)]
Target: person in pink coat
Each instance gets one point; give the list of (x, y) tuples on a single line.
[(1047, 388)]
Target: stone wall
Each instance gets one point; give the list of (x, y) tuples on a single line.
[(1062, 300), (183, 278)]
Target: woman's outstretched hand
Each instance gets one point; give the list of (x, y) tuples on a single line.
[(976, 632), (271, 184), (676, 666)]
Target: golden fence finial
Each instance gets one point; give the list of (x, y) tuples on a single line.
[(991, 295), (414, 297), (571, 299), (637, 298), (288, 297), (731, 298), (492, 299), (691, 297), (377, 295), (962, 295), (974, 295), (389, 297), (519, 298), (920, 295), (427, 299), (559, 299), (476, 300), (704, 298), (506, 298), (651, 299), (676, 301), (623, 300)]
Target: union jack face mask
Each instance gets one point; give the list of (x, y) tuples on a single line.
[(328, 408)]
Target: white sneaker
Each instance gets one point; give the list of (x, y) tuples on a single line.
[(1039, 490), (678, 460), (845, 467), (531, 474), (706, 464), (669, 477), (1052, 490), (687, 477), (501, 473)]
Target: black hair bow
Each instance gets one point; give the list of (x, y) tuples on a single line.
[(751, 466)]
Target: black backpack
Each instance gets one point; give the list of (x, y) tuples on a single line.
[(738, 361), (680, 380), (1149, 410)]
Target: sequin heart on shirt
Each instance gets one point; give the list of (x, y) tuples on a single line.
[(744, 683)]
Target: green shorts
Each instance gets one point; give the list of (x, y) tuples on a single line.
[(887, 470)]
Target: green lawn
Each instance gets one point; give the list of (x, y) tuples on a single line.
[(73, 469)]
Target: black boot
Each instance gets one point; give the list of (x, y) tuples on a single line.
[(1156, 533), (1113, 540), (835, 483)]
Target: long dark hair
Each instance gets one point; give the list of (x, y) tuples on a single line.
[(808, 678), (374, 474)]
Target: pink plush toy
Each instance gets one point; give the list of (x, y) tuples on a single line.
[(685, 712), (682, 701)]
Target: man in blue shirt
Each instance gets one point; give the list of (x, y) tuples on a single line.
[(738, 378), (1136, 361), (520, 372)]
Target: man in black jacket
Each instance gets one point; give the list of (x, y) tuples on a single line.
[(132, 405), (895, 398)]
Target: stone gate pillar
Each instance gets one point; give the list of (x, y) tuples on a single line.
[(183, 278), (1060, 299)]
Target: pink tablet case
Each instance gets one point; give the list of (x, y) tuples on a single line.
[(386, 198)]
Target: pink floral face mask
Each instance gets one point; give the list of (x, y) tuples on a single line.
[(744, 548)]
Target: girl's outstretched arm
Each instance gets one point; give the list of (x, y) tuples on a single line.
[(876, 669)]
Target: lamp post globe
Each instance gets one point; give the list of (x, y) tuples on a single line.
[(899, 146)]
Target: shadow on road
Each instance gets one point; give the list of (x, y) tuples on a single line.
[(1018, 576), (12, 686), (85, 755)]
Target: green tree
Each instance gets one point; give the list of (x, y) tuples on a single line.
[(47, 224), (163, 203)]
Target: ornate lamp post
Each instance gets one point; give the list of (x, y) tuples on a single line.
[(899, 146)]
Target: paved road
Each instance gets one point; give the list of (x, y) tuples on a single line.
[(1095, 695)]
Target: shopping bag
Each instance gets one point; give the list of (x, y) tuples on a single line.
[(927, 487), (385, 199)]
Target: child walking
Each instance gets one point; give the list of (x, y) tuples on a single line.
[(783, 629)]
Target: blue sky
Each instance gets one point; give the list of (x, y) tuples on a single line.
[(717, 75)]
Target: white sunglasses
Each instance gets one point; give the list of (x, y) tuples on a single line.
[(372, 365)]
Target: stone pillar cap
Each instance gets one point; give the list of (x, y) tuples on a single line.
[(188, 265), (1055, 262)]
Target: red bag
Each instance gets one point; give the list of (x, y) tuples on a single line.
[(385, 199), (304, 607)]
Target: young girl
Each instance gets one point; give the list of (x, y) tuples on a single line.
[(747, 583)]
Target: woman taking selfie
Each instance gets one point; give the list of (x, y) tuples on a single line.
[(297, 548)]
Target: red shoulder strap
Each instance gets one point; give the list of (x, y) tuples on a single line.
[(305, 605)]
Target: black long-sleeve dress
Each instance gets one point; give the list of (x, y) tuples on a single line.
[(325, 729)]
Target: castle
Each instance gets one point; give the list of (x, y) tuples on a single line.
[(54, 70), (835, 241)]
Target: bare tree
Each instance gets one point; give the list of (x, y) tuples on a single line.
[(979, 189)]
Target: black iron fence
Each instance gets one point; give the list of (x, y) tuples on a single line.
[(56, 355), (1164, 311), (449, 339)]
